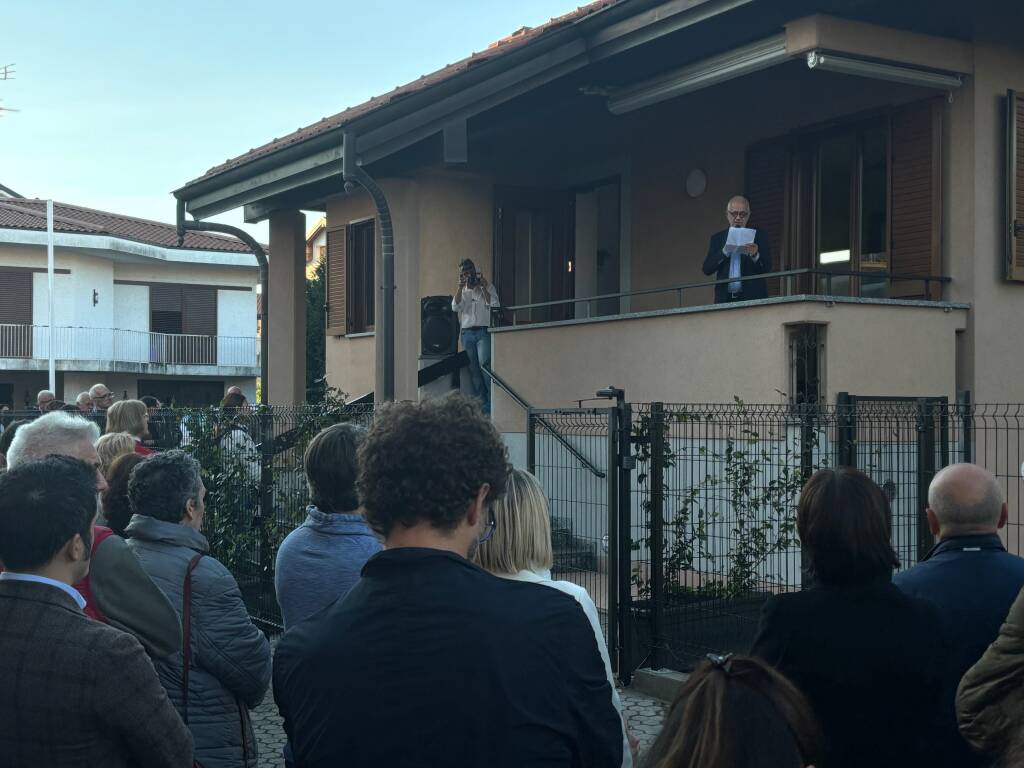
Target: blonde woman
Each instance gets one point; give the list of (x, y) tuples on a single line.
[(520, 549), (111, 446), (131, 416)]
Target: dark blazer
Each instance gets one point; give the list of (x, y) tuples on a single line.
[(870, 661), (430, 660), (973, 580), (78, 693), (717, 263)]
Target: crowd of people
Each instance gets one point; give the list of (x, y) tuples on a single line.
[(423, 626)]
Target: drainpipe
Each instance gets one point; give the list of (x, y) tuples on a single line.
[(384, 318), (261, 258)]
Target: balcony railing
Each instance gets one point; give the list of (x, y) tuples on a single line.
[(29, 342), (822, 282)]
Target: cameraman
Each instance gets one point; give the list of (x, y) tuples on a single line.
[(473, 302)]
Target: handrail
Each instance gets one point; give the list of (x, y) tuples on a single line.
[(926, 279), (503, 385)]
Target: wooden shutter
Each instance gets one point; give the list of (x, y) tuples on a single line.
[(916, 208), (1014, 187), (767, 166), (199, 310), (337, 319), (165, 308)]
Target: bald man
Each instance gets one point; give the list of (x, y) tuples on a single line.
[(968, 574), (752, 259)]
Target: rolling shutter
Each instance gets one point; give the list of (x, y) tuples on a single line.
[(15, 312), (199, 310), (1014, 187), (916, 198), (165, 308), (337, 322), (766, 190)]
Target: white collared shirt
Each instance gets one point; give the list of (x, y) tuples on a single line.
[(71, 591), (475, 308)]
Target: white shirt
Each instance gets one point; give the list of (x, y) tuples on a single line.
[(475, 307), (590, 611), (71, 591)]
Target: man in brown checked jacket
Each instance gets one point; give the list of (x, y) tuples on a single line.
[(73, 692)]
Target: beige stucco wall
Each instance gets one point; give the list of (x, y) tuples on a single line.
[(350, 364), (714, 355)]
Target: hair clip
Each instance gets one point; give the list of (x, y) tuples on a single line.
[(723, 663)]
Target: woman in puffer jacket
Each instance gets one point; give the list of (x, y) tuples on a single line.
[(230, 658), (990, 699)]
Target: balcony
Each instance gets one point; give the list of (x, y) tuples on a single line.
[(27, 347)]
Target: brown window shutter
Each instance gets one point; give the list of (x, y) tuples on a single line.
[(1014, 186), (767, 166), (337, 323), (15, 310), (916, 209), (199, 310)]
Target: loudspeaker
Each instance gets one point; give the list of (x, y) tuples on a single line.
[(439, 326)]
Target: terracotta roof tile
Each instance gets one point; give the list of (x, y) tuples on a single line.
[(495, 50), (31, 214)]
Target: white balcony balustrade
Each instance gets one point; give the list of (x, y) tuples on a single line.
[(115, 345)]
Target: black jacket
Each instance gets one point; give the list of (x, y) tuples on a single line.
[(430, 660), (717, 263), (870, 661), (973, 580)]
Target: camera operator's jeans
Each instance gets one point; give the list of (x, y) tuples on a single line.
[(477, 344)]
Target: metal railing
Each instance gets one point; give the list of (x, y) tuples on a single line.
[(820, 282), (126, 346)]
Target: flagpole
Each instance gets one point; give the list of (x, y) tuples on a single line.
[(49, 283)]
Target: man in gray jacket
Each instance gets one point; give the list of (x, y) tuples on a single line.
[(230, 658)]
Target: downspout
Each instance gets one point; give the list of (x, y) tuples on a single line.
[(261, 258), (384, 319)]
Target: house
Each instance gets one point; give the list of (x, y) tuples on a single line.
[(316, 246), (585, 163), (132, 309)]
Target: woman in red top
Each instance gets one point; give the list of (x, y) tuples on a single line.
[(131, 416)]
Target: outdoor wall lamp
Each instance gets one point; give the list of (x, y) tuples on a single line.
[(95, 297)]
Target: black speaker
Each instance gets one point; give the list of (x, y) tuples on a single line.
[(439, 326)]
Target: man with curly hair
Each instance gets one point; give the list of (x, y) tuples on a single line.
[(429, 659)]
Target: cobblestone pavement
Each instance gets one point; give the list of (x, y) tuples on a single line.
[(643, 712)]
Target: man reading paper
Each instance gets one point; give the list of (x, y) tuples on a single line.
[(738, 252)]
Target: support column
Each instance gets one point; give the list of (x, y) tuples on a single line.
[(287, 328)]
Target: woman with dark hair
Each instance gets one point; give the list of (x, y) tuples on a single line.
[(737, 712), (7, 437), (117, 511), (868, 658)]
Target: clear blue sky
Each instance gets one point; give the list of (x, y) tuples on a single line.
[(121, 102)]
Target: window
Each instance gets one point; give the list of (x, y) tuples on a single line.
[(183, 319), (856, 202), (321, 253), (806, 364), (361, 286), (15, 312)]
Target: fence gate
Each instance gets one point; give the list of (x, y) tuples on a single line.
[(581, 456)]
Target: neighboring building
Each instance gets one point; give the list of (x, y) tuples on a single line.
[(132, 309), (316, 246), (881, 152)]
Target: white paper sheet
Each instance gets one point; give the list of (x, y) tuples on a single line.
[(738, 237)]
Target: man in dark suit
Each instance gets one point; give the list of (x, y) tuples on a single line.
[(968, 574), (463, 668), (751, 259), (73, 691)]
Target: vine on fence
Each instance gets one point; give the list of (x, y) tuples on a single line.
[(752, 489)]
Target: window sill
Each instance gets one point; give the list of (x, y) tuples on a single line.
[(360, 335)]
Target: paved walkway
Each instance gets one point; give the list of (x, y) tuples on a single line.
[(643, 712)]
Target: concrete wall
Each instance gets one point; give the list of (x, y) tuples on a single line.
[(713, 355)]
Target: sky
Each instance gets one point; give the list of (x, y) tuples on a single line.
[(119, 103)]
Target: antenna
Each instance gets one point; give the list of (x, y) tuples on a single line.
[(6, 73)]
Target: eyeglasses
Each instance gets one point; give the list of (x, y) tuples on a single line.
[(738, 214), (491, 525)]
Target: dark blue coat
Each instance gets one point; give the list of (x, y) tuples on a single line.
[(973, 581)]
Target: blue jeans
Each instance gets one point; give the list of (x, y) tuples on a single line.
[(477, 343)]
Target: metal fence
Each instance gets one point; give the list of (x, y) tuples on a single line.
[(693, 524)]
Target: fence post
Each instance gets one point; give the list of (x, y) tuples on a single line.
[(846, 423), (925, 471), (625, 464), (966, 425), (265, 516), (531, 449), (612, 570), (657, 523)]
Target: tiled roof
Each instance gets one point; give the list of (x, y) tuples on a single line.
[(495, 50), (31, 214)]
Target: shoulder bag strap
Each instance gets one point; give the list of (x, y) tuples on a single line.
[(186, 632)]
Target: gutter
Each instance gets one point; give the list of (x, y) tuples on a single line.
[(261, 259)]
